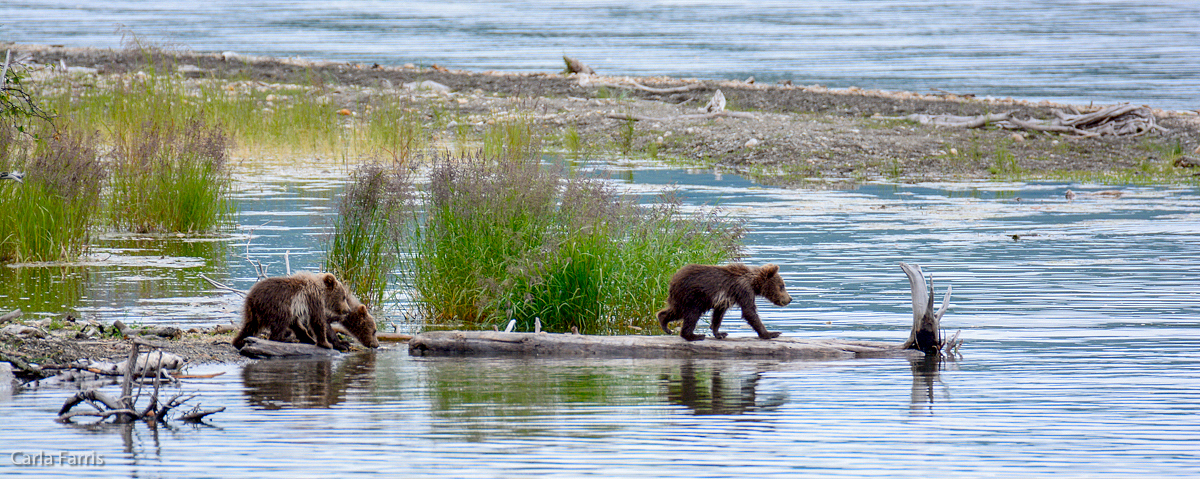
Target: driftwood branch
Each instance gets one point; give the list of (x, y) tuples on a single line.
[(197, 414), (161, 331), (124, 409), (699, 116), (714, 109), (14, 314), (1116, 120), (633, 85), (926, 330), (221, 286), (955, 121)]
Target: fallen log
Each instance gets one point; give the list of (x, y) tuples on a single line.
[(1116, 120), (698, 116), (924, 339), (14, 314), (259, 348), (494, 343)]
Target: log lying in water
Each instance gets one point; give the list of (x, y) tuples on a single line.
[(493, 343), (259, 348), (925, 338)]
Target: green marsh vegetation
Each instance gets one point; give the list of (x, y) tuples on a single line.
[(516, 239), (372, 222), (170, 178), (128, 163), (498, 234), (50, 215)]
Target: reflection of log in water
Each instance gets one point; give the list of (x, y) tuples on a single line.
[(714, 388), (305, 383), (926, 372)]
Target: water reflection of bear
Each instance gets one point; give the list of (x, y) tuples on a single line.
[(717, 388), (305, 383)]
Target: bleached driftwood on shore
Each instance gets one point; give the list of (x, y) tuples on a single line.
[(714, 109), (1116, 120), (926, 328), (699, 116), (124, 409)]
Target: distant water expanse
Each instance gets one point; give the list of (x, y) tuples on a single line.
[(1076, 51)]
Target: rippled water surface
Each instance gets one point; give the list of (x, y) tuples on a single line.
[(1082, 353), (1074, 51)]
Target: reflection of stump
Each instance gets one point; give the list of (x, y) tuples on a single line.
[(925, 374)]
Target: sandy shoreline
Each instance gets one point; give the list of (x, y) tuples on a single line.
[(784, 134)]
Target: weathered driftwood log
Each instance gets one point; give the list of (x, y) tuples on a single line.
[(926, 330), (1116, 120), (123, 409), (259, 348), (494, 343), (160, 331), (924, 339), (715, 108), (699, 116), (14, 314), (955, 120)]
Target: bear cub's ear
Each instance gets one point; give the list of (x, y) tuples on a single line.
[(769, 270), (330, 281), (362, 310)]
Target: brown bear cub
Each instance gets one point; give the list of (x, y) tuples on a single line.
[(303, 303), (697, 288)]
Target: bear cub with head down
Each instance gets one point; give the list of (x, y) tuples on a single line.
[(697, 288), (302, 303)]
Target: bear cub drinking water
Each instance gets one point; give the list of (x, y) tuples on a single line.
[(303, 303), (697, 288)]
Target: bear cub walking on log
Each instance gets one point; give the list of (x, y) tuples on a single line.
[(302, 303), (697, 288)]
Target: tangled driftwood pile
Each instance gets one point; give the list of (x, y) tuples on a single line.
[(1116, 120), (124, 409)]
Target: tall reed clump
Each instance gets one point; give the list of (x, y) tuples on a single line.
[(170, 177), (50, 215), (374, 214), (512, 239)]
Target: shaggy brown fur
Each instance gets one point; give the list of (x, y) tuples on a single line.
[(697, 288), (301, 303), (359, 323)]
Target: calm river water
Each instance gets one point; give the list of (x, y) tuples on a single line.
[(1082, 354), (1078, 52)]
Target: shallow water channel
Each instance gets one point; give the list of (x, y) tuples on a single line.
[(1081, 355)]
